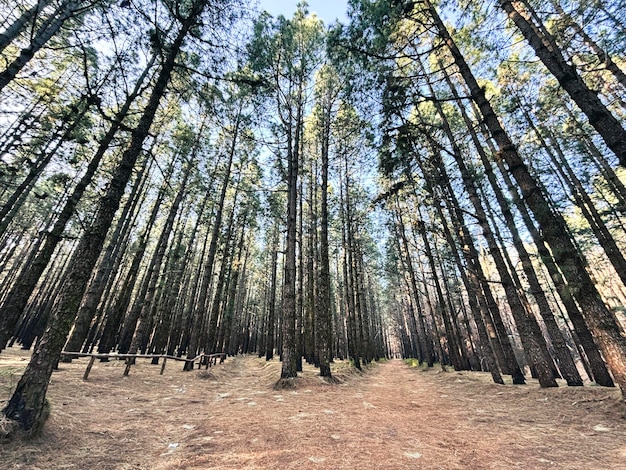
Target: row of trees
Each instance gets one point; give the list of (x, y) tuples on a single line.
[(469, 161), (179, 178), (145, 195)]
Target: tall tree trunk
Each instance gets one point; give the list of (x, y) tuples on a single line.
[(14, 29), (353, 346), (17, 298), (49, 29), (61, 135), (271, 300), (600, 320), (565, 360), (490, 312), (202, 302), (289, 313), (323, 317), (311, 301), (290, 347), (27, 405), (599, 116), (603, 56)]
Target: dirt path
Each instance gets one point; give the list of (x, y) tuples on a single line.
[(391, 417)]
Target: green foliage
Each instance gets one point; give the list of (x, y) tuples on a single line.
[(411, 362), (376, 87)]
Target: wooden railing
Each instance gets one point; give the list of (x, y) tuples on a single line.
[(202, 359)]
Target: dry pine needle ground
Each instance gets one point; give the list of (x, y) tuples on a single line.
[(389, 417)]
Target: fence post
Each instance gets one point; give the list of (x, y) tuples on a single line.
[(88, 369), (129, 362)]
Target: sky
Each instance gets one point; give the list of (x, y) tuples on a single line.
[(327, 10)]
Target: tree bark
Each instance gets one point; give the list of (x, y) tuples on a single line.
[(17, 298), (202, 303), (41, 38), (145, 318), (599, 116), (27, 405), (271, 301), (600, 320), (323, 316)]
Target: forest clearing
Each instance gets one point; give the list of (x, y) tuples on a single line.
[(441, 181), (390, 416)]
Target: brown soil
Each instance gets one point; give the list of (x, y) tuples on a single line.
[(390, 417)]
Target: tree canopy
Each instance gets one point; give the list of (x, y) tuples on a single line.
[(435, 180)]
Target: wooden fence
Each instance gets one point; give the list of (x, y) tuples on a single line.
[(203, 359)]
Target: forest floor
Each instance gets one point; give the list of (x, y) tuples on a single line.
[(390, 416)]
